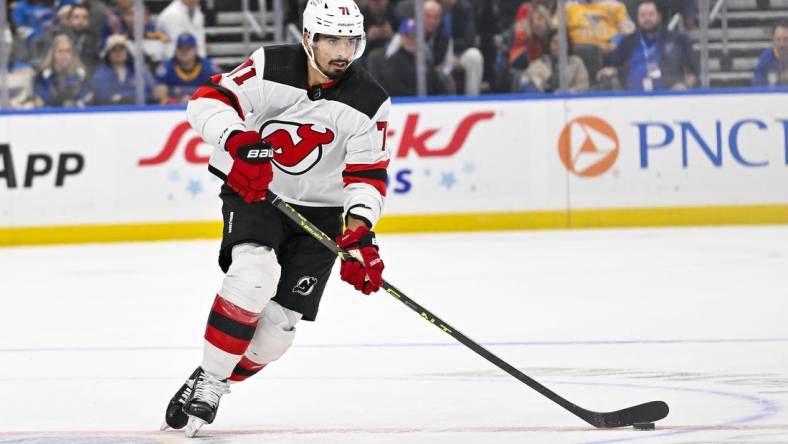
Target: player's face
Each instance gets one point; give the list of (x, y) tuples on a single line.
[(333, 54)]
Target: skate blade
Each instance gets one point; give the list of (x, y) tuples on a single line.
[(193, 426)]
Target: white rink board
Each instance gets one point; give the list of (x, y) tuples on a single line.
[(447, 157)]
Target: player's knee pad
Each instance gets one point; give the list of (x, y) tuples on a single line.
[(252, 278), (274, 335)]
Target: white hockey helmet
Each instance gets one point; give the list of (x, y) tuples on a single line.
[(333, 17)]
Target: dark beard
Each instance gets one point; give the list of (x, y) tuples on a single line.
[(652, 30), (335, 75)]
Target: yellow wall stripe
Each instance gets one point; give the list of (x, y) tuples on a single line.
[(77, 234), (627, 217)]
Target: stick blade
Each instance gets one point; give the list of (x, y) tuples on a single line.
[(648, 412)]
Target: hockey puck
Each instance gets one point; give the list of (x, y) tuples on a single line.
[(643, 426)]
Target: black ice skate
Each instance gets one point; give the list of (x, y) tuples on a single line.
[(174, 416), (201, 406)]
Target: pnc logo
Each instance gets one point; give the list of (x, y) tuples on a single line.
[(588, 146)]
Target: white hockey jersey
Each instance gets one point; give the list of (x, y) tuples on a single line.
[(329, 142)]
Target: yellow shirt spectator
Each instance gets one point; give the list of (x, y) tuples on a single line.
[(597, 23)]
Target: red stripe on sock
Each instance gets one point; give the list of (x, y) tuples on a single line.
[(247, 366), (250, 365), (234, 312), (225, 342)]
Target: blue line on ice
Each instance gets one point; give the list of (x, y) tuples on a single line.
[(415, 344)]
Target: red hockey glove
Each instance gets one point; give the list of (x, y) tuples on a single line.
[(251, 172), (366, 274)]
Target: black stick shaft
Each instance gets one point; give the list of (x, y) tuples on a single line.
[(594, 418)]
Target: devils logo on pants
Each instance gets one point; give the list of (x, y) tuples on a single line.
[(297, 147)]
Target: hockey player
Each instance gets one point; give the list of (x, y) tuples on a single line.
[(306, 122)]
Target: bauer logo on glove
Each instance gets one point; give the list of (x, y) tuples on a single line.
[(257, 153)]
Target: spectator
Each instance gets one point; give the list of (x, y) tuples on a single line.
[(178, 77), (33, 18), (113, 83), (113, 24), (595, 27), (62, 80), (772, 69), (505, 10), (182, 16), (380, 21), (437, 41), (524, 42), (398, 73), (529, 35), (86, 42), (542, 74), (467, 63), (20, 77), (71, 21), (154, 43), (652, 58)]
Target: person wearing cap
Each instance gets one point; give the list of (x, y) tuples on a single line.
[(178, 77), (113, 83)]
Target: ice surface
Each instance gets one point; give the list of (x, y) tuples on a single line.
[(95, 339)]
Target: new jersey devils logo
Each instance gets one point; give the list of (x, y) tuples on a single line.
[(297, 147), (305, 285)]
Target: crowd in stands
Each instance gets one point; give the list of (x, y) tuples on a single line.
[(70, 53), (513, 46), (80, 52)]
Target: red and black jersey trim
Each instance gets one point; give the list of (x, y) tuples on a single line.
[(212, 90), (371, 174)]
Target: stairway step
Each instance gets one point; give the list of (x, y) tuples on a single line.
[(744, 33), (233, 48), (753, 4)]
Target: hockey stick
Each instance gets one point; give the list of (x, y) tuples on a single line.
[(642, 413)]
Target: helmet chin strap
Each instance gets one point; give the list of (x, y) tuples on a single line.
[(310, 54)]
